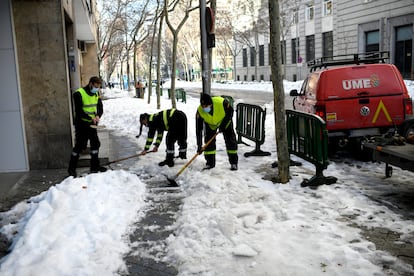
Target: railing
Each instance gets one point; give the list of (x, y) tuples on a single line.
[(250, 124), (308, 139), (180, 94)]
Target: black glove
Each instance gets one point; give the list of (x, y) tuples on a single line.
[(199, 151), (222, 128)]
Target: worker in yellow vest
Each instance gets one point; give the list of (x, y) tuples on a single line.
[(175, 123), (216, 113), (88, 111)]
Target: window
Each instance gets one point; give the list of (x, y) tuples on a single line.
[(252, 56), (253, 78), (372, 41), (404, 50), (310, 47), (244, 57), (327, 45), (309, 12), (295, 17), (295, 50), (261, 55), (262, 77), (327, 8)]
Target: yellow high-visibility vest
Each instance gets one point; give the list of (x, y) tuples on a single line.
[(219, 113), (89, 104)]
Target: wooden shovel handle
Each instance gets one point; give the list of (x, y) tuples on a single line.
[(196, 155)]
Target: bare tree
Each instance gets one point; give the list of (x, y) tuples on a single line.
[(278, 91), (109, 35), (190, 46), (152, 47), (288, 16), (181, 9), (120, 31), (250, 36), (137, 18), (229, 37)]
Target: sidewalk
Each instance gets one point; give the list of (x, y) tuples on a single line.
[(15, 187), (164, 204)]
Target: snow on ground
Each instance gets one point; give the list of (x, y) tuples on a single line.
[(230, 223)]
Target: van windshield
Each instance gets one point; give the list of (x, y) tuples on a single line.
[(309, 86)]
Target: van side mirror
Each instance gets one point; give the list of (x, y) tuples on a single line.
[(294, 93)]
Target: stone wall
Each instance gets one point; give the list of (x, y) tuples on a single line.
[(43, 70)]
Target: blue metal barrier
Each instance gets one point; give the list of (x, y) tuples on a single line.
[(250, 124)]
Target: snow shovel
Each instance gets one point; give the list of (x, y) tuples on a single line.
[(171, 180), (126, 158)]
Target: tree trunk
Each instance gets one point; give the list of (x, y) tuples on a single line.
[(173, 71), (149, 86), (278, 92), (159, 61)]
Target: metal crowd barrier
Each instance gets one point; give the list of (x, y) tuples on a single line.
[(250, 124), (308, 139), (180, 94)]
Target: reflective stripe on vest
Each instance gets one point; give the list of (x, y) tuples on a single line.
[(89, 104), (218, 113), (165, 117)]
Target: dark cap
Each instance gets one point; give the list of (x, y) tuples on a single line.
[(142, 117), (95, 79), (205, 99)]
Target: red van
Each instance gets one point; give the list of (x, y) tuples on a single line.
[(356, 97)]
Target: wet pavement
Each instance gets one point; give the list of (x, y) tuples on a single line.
[(148, 239)]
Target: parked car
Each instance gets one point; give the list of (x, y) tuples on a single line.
[(358, 97)]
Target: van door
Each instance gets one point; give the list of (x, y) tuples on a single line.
[(363, 96), (364, 112)]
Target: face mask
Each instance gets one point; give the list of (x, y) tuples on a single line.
[(207, 109), (94, 90)]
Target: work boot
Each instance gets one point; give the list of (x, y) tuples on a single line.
[(182, 155), (169, 160), (73, 162), (233, 167), (211, 161), (95, 167)]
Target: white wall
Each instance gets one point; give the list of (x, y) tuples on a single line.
[(13, 153)]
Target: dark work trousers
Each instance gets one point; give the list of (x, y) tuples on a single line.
[(230, 141), (83, 133), (177, 133)]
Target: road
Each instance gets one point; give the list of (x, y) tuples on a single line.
[(252, 97)]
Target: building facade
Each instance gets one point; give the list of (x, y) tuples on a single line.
[(47, 51), (323, 28)]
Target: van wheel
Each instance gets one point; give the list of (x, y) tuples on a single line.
[(407, 130), (409, 134)]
